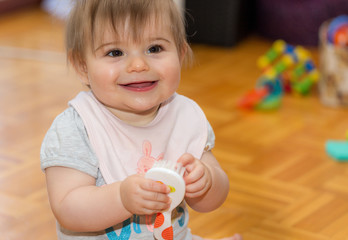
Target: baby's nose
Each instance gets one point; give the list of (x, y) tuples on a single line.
[(137, 64)]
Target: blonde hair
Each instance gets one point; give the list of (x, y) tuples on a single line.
[(89, 18)]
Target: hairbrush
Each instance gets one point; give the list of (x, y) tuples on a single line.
[(172, 176)]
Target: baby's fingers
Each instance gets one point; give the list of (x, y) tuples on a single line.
[(195, 175), (156, 196), (151, 207), (196, 189), (186, 159), (155, 186)]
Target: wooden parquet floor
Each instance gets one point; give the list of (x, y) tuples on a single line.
[(283, 184)]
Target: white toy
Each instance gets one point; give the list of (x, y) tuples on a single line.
[(172, 176)]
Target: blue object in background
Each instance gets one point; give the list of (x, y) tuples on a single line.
[(337, 150)]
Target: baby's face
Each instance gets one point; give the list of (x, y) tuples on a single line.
[(132, 78)]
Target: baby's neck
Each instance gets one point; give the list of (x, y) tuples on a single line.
[(136, 119)]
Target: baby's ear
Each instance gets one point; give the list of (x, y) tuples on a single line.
[(80, 68), (186, 55), (183, 53)]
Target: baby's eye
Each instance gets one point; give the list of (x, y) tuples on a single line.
[(115, 53), (155, 49)]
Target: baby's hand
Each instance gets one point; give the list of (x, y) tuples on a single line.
[(144, 196), (197, 176)]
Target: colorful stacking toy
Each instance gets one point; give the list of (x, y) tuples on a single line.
[(285, 68)]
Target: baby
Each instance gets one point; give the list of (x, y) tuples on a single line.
[(95, 155)]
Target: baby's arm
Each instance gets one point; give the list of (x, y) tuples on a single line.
[(81, 206), (207, 185)]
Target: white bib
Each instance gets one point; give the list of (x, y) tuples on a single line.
[(122, 149)]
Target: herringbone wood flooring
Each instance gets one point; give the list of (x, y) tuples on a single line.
[(283, 185)]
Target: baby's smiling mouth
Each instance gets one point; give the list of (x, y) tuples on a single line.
[(140, 86)]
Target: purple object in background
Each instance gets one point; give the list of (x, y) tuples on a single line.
[(11, 5), (296, 21)]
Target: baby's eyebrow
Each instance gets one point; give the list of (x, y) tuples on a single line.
[(152, 39), (159, 39), (104, 45)]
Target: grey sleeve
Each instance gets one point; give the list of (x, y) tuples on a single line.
[(66, 144)]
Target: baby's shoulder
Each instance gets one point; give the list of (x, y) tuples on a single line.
[(69, 118)]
